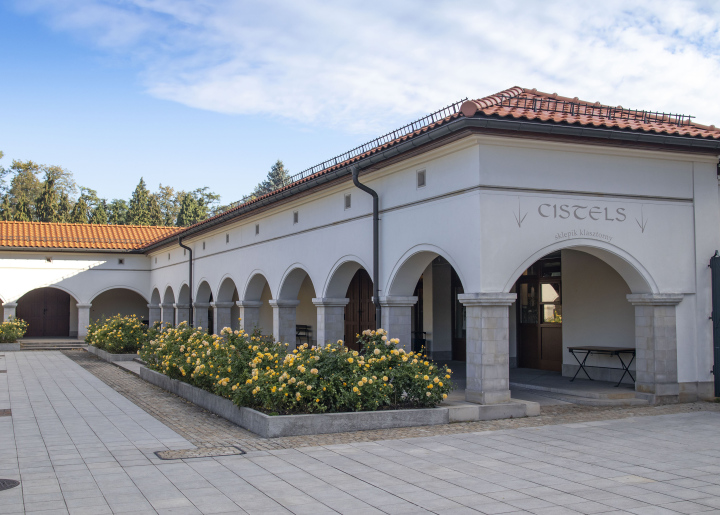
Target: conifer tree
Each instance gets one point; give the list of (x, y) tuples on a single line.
[(277, 177), (22, 210), (99, 216), (189, 211), (117, 212), (80, 212), (64, 208), (5, 209), (46, 205), (137, 213), (155, 215)]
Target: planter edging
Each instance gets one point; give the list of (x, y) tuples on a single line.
[(9, 346), (108, 356)]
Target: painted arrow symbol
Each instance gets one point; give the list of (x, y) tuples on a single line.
[(642, 223), (519, 217)]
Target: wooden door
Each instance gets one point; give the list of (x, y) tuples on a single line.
[(47, 312), (360, 311), (459, 324)]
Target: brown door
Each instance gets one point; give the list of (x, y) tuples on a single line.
[(459, 337), (360, 311), (539, 315), (47, 312)]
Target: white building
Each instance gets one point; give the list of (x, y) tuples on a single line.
[(510, 228)]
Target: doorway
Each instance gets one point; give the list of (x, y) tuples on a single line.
[(47, 312), (539, 315), (360, 311)]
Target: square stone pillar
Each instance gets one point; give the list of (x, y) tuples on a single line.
[(168, 313), (284, 330), (9, 310), (488, 346), (656, 345), (223, 315), (154, 314), (200, 316), (330, 320), (397, 319), (182, 313), (83, 320), (249, 315)]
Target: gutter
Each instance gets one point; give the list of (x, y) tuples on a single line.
[(190, 278), (376, 243)]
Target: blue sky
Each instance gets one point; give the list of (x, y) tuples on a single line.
[(211, 93)]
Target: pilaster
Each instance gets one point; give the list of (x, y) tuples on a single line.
[(223, 316), (168, 313), (83, 320), (154, 314), (284, 314), (182, 313), (330, 319), (397, 318), (249, 315), (201, 315), (9, 310)]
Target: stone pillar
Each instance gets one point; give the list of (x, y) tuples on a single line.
[(182, 313), (488, 346), (200, 316), (249, 315), (168, 313), (656, 345), (83, 320), (284, 321), (223, 316), (330, 320), (154, 314), (9, 310), (397, 319)]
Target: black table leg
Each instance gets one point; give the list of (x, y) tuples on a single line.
[(626, 368), (582, 365)]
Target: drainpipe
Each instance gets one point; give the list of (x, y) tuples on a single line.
[(190, 281), (376, 244)]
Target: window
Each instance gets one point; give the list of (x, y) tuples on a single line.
[(156, 260), (227, 238), (184, 252), (203, 245), (348, 200), (48, 260), (257, 229), (296, 217), (121, 261), (168, 256), (421, 178)]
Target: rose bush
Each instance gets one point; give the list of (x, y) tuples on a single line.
[(119, 334), (263, 375), (12, 329)]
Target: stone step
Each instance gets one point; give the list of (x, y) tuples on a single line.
[(52, 345), (584, 389), (588, 401)]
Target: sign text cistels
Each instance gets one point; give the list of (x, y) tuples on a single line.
[(579, 212)]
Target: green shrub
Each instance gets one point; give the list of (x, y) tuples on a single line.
[(119, 334), (12, 329), (263, 375)]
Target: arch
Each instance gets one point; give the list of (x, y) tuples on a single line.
[(123, 287), (204, 292), (635, 274), (408, 269), (118, 301), (184, 294), (255, 286), (155, 297), (169, 296), (48, 311), (292, 281), (340, 275), (226, 290)]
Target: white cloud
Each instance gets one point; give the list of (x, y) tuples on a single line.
[(369, 65)]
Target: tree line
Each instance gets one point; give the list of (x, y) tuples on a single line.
[(31, 192)]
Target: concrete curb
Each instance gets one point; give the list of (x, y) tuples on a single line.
[(297, 425), (110, 357), (9, 347)]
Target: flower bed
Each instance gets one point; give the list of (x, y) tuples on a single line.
[(12, 329), (262, 375), (119, 334)]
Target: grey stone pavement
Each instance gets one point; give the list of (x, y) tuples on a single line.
[(78, 446)]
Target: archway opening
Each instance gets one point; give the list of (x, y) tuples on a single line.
[(227, 311), (297, 286), (204, 313), (360, 310), (119, 301), (168, 307), (257, 315), (49, 312)]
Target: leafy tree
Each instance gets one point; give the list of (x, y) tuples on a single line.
[(80, 212), (22, 210), (117, 210), (169, 201), (5, 208), (64, 182), (46, 205), (155, 216), (64, 208), (99, 216), (137, 213), (277, 177), (24, 181), (190, 211)]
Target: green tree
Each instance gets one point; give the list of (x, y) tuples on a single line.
[(169, 201), (277, 177), (24, 181), (155, 216), (99, 215), (137, 213), (117, 212), (80, 212), (64, 208), (5, 209), (189, 211), (22, 210), (46, 204)]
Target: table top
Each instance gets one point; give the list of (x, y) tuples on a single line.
[(594, 348)]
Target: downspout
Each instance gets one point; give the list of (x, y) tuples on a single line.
[(376, 244), (190, 279)]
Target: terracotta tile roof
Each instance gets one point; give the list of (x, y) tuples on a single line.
[(81, 236), (531, 104)]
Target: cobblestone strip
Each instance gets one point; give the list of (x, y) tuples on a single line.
[(204, 429)]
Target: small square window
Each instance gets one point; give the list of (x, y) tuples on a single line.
[(227, 238), (296, 217), (184, 252), (421, 178), (257, 229), (203, 245), (121, 261), (156, 260), (348, 200), (168, 256), (48, 260)]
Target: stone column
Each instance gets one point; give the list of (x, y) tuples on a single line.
[(83, 320), (154, 314), (201, 315), (656, 345), (168, 313), (284, 321), (182, 313), (9, 310), (330, 320), (397, 318), (223, 317), (249, 315), (488, 346)]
